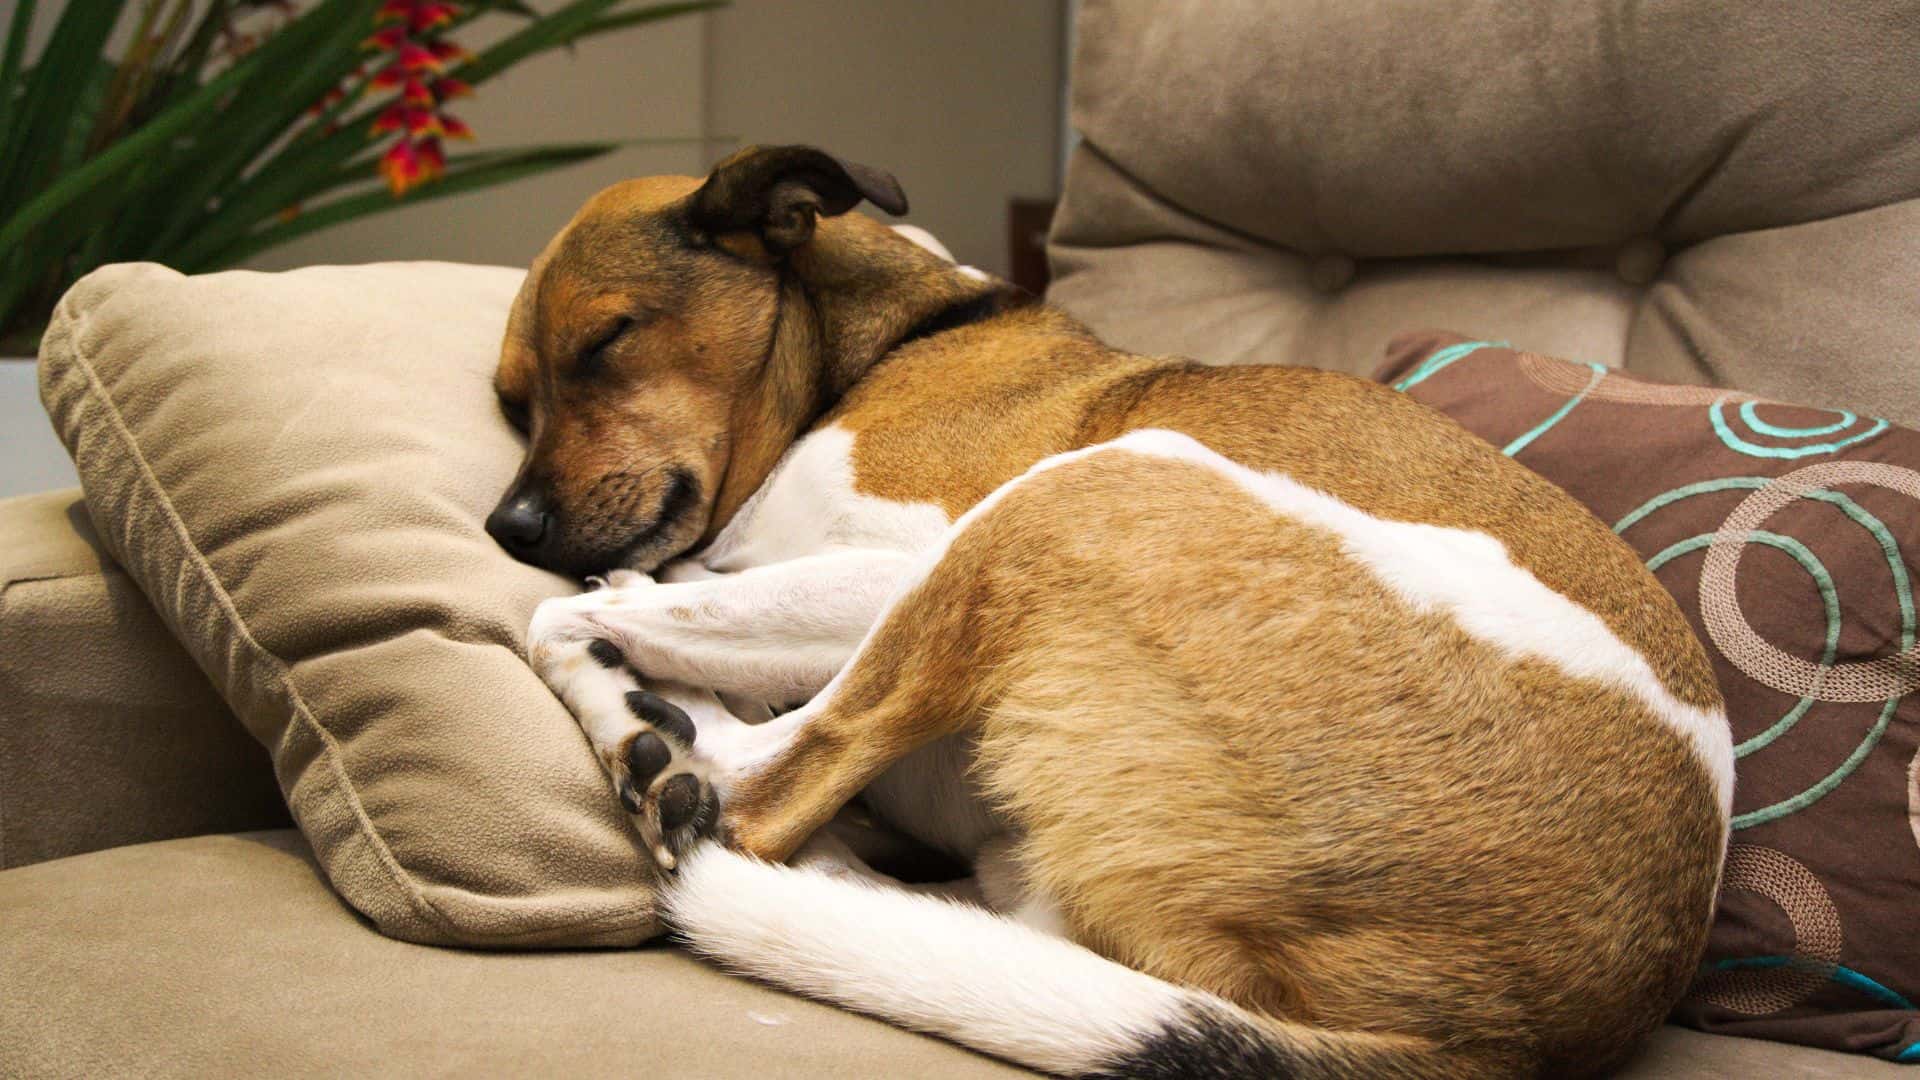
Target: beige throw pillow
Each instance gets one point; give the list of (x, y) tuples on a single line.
[(295, 468)]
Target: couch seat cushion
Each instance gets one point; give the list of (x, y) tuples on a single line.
[(230, 956)]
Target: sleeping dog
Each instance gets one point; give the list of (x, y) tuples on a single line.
[(1291, 729)]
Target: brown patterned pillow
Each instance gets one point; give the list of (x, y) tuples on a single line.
[(1789, 535)]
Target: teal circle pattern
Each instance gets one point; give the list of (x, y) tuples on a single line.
[(1889, 548), (1729, 438), (1829, 601), (1751, 416)]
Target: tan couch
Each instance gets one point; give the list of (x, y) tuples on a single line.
[(1708, 192)]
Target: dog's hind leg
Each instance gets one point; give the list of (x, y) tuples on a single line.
[(931, 666)]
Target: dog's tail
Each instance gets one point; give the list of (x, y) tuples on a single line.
[(1001, 987)]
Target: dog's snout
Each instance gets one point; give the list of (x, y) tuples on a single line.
[(520, 524)]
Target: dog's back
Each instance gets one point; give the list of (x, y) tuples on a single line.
[(1384, 802), (949, 419)]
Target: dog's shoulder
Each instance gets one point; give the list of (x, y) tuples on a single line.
[(948, 417)]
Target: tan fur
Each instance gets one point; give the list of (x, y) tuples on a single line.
[(1238, 761), (1246, 766), (934, 426)]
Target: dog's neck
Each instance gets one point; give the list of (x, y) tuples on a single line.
[(847, 300)]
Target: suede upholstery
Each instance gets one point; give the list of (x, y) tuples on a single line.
[(109, 734), (1718, 193), (295, 467), (230, 956)]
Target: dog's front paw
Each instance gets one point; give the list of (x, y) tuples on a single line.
[(662, 785), (644, 741)]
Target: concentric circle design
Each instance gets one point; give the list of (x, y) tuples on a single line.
[(1854, 681), (1739, 443), (1829, 603), (1750, 415), (1768, 665), (1784, 882)]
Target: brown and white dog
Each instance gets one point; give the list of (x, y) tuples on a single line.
[(1292, 729)]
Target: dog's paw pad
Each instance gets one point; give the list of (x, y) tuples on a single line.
[(661, 784), (664, 715), (647, 755), (680, 800), (606, 653)]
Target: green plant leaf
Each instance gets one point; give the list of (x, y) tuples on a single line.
[(297, 172), (49, 110), (155, 137), (184, 72), (10, 62), (89, 100), (511, 7), (469, 172), (264, 108), (199, 176)]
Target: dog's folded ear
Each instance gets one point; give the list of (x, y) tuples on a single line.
[(779, 191)]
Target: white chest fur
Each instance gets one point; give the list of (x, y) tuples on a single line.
[(808, 506)]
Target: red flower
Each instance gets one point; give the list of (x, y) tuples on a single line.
[(401, 166), (416, 57), (391, 119), (428, 15), (416, 93), (433, 163), (410, 120), (386, 39), (447, 51)]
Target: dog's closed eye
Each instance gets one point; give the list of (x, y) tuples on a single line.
[(592, 356)]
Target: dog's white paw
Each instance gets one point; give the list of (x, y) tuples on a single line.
[(645, 742)]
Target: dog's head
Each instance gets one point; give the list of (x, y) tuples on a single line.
[(678, 334)]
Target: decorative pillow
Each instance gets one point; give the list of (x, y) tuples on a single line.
[(1788, 534), (295, 468)]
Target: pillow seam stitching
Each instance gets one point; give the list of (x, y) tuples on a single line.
[(197, 559)]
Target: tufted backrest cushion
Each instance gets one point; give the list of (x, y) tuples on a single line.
[(1723, 193)]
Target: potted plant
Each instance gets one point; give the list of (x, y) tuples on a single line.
[(222, 128)]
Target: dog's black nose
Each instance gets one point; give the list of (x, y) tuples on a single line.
[(519, 524)]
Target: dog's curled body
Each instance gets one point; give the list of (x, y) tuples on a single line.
[(1329, 741), (1221, 773)]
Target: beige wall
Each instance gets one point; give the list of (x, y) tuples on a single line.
[(958, 98)]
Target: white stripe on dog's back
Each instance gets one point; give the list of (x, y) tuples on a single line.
[(1469, 576)]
